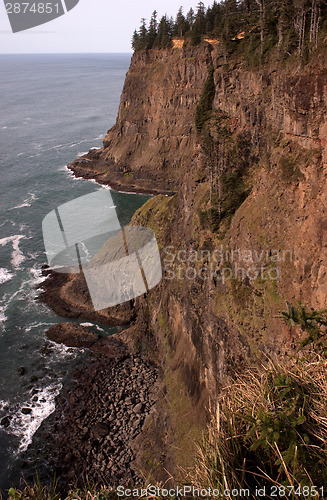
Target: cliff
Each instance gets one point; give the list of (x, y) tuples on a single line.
[(247, 209)]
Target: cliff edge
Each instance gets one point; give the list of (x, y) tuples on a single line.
[(241, 232)]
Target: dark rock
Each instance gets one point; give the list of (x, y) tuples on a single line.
[(138, 408), (72, 335), (5, 422), (21, 371), (100, 430), (26, 411)]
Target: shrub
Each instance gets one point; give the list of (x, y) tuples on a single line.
[(204, 107), (270, 428)]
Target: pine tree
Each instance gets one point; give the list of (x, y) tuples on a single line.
[(180, 24), (190, 18), (135, 41), (142, 35), (199, 24), (152, 31), (163, 39)]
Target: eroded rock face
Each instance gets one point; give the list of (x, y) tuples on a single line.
[(72, 335), (201, 331), (75, 335), (154, 135)]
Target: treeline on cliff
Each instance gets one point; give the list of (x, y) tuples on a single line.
[(255, 25)]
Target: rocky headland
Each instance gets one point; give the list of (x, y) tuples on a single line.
[(253, 181)]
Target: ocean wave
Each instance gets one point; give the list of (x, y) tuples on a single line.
[(3, 405), (39, 407), (27, 202), (61, 352), (37, 276), (5, 275), (36, 325), (7, 299), (17, 256), (3, 318)]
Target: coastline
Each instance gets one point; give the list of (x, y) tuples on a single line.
[(91, 166), (100, 415), (68, 296), (93, 434)]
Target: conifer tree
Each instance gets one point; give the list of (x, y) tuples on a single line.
[(142, 35), (190, 17), (180, 24), (152, 31), (163, 40)]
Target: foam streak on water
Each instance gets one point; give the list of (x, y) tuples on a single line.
[(17, 257)]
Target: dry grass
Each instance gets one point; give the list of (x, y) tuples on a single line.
[(270, 428), (38, 492)]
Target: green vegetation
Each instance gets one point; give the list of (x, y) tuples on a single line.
[(270, 429), (229, 158), (313, 323), (204, 107), (253, 28), (39, 492)]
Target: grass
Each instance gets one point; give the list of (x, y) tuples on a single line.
[(270, 428), (39, 492)]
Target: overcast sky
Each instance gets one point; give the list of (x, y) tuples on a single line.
[(92, 26)]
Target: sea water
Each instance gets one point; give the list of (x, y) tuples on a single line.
[(53, 109)]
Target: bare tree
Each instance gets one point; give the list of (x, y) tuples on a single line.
[(315, 21), (300, 22), (261, 4)]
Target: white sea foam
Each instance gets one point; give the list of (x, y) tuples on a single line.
[(3, 318), (62, 352), (3, 404), (25, 426), (27, 202), (5, 275), (9, 298), (17, 256), (36, 325), (92, 324), (37, 276)]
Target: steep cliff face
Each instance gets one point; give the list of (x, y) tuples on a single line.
[(154, 137), (242, 256)]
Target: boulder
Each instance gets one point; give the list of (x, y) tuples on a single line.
[(72, 335)]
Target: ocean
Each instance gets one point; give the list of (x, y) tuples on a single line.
[(53, 109)]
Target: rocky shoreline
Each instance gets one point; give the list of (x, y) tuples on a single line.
[(98, 420), (92, 166), (68, 296), (107, 419), (102, 412)]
